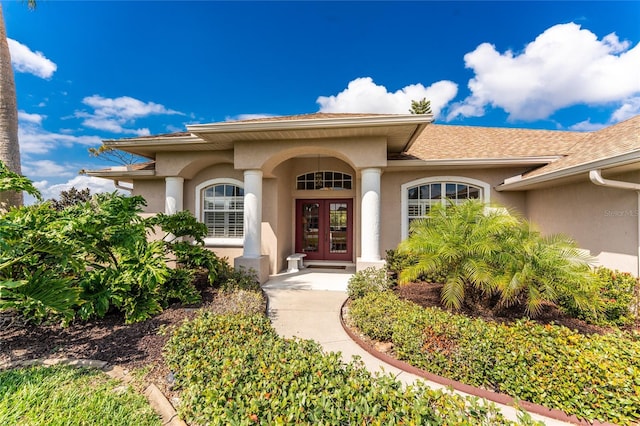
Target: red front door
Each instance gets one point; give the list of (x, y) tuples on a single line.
[(324, 230)]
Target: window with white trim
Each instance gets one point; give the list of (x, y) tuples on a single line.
[(222, 210), (420, 195)]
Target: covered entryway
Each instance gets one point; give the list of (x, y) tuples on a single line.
[(324, 229)]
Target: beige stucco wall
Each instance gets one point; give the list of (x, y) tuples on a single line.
[(391, 195), (601, 220), (153, 191), (217, 171)]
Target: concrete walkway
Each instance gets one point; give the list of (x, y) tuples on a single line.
[(307, 305)]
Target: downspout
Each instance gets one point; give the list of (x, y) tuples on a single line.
[(596, 177), (118, 185)]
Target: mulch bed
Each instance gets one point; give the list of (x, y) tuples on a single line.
[(108, 339), (428, 295)]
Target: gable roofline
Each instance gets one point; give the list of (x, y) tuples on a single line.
[(520, 182)]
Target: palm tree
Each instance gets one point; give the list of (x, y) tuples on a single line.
[(9, 145), (460, 242)]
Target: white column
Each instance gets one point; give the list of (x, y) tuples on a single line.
[(370, 215), (173, 195), (252, 213)]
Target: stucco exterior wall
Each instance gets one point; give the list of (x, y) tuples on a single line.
[(391, 196), (153, 191), (601, 220), (216, 171)]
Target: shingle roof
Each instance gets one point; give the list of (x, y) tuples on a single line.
[(612, 141), (314, 116), (437, 142)]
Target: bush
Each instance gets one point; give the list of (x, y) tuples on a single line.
[(616, 303), (93, 257), (495, 259), (239, 279), (594, 377), (234, 369), (368, 281), (243, 302)]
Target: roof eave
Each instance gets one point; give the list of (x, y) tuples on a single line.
[(313, 123), (516, 161), (518, 183)]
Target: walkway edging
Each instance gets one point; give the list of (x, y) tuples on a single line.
[(156, 398), (497, 397)]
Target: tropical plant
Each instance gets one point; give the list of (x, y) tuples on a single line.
[(9, 146), (465, 241), (368, 280), (423, 106), (12, 182), (533, 270), (490, 256)]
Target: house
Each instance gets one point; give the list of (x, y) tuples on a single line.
[(343, 188)]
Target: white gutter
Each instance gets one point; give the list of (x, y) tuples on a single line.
[(596, 177), (118, 185), (519, 183)]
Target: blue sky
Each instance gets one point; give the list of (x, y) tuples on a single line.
[(87, 71)]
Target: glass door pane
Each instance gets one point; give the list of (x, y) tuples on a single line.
[(337, 227), (310, 227)]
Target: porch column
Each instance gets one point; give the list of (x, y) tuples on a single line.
[(370, 217), (252, 213), (251, 258), (173, 194)]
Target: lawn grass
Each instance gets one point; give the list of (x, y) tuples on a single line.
[(64, 395)]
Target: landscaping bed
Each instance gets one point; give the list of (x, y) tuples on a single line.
[(595, 377)]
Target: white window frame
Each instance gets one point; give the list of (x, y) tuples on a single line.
[(404, 202), (217, 241)]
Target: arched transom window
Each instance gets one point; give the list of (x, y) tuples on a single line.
[(419, 196), (324, 179), (222, 210)]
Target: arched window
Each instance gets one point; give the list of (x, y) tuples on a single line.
[(324, 179), (220, 206), (418, 196)]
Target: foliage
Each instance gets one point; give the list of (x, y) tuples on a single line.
[(491, 257), (594, 377), (11, 181), (367, 281), (94, 257), (38, 264), (239, 279), (423, 106), (245, 302), (617, 290), (396, 262), (234, 369), (69, 396), (70, 198)]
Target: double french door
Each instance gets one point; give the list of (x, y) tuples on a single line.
[(324, 229)]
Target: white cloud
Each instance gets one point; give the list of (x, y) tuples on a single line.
[(630, 108), (362, 95), (563, 66), (113, 114), (36, 140), (49, 190), (31, 118), (25, 60), (47, 168), (587, 126)]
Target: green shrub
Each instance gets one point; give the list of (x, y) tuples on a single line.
[(234, 369), (616, 302), (493, 258), (594, 377), (367, 281), (239, 279), (93, 257), (243, 302), (397, 262)]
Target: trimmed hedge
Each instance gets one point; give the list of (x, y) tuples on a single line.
[(594, 377), (234, 369)]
